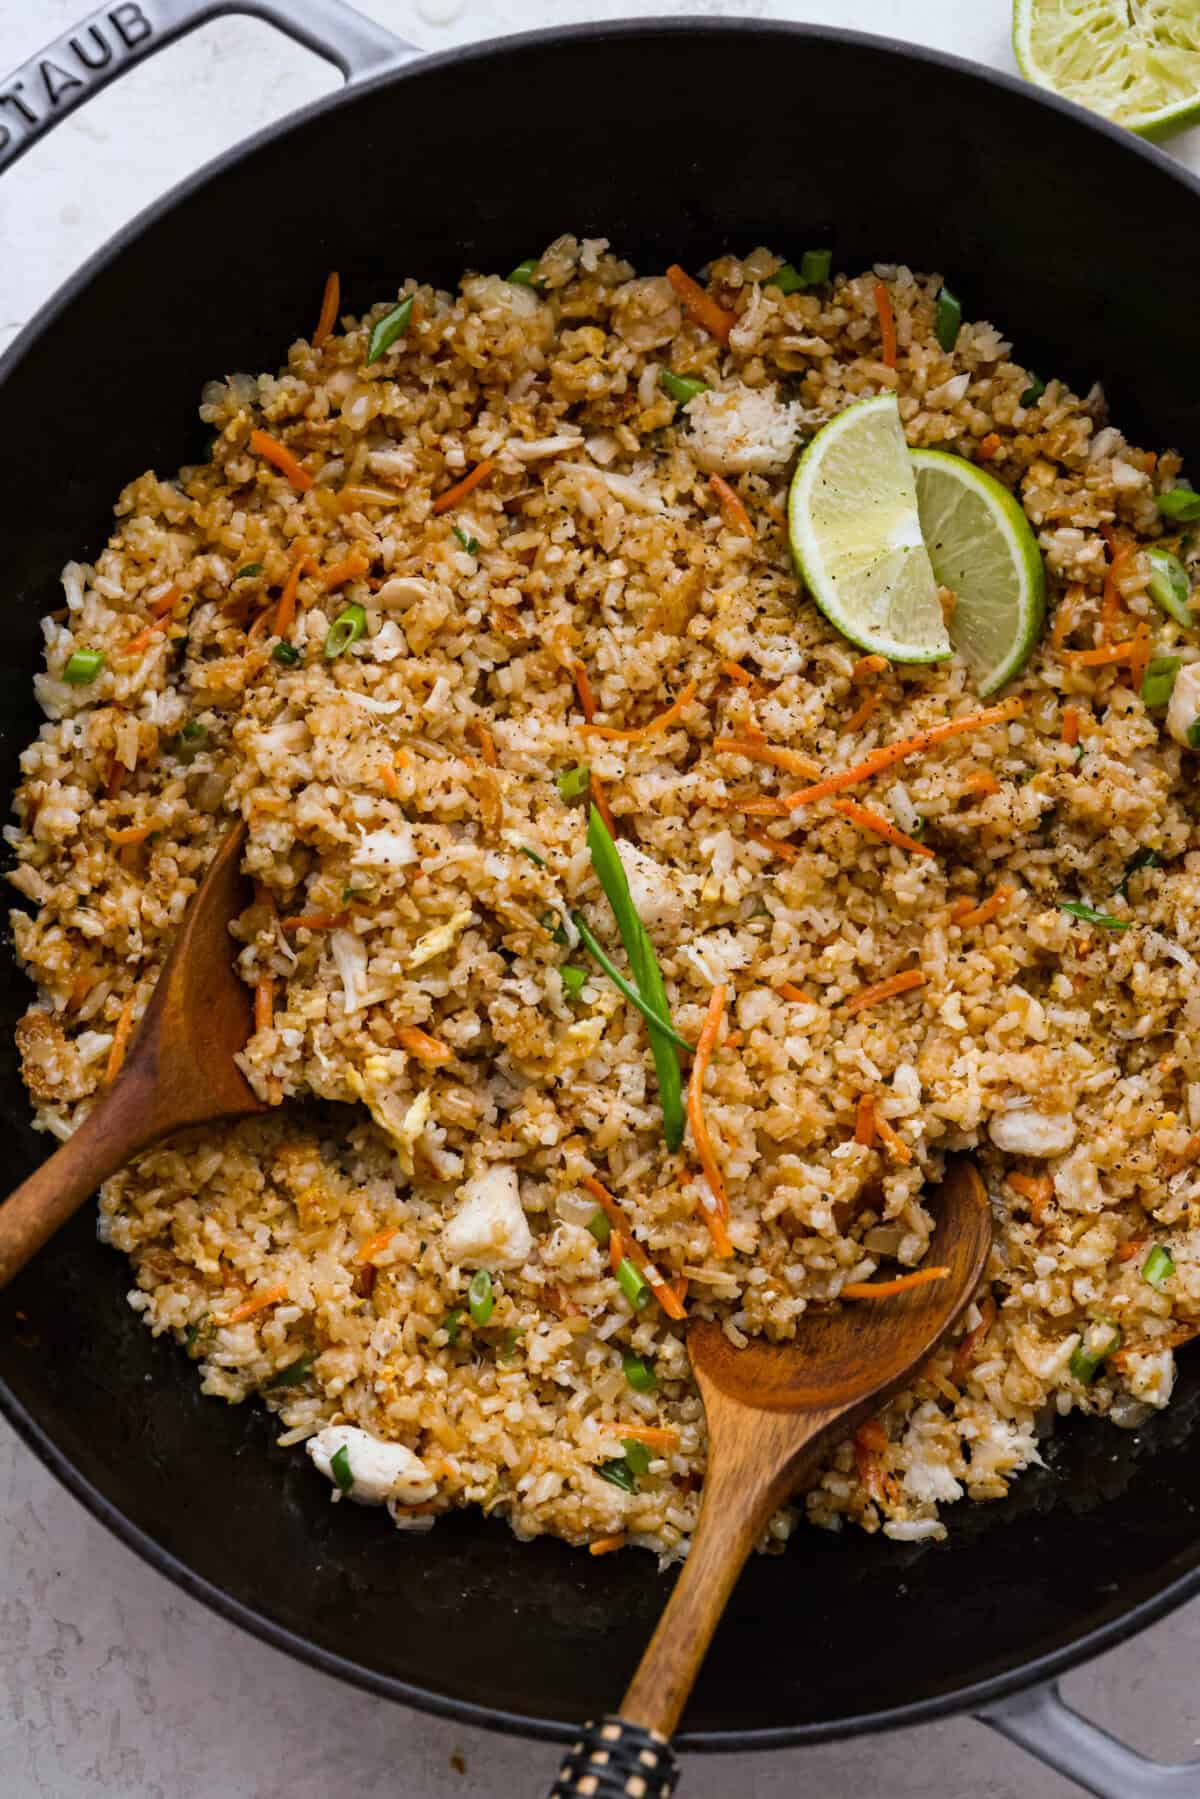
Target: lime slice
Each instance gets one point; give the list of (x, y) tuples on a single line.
[(982, 548), (856, 537), (1135, 61)]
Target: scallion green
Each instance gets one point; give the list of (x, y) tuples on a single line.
[(339, 1467), (469, 544), (509, 1341), (1033, 393), (480, 1298), (947, 322), (637, 1456), (538, 861), (451, 1322), (522, 275), (618, 980), (1169, 586), (1159, 679), (647, 975), (285, 653), (1141, 859), (191, 739), (294, 1373), (1193, 734), (349, 625), (83, 666), (573, 979), (1098, 1343), (251, 568), (600, 1228), (1181, 504), (681, 388), (1158, 1267), (392, 325), (639, 1374), (815, 266), (787, 278), (1089, 915), (572, 783), (632, 1285), (549, 922), (618, 1473)]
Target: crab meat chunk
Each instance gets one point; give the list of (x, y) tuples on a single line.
[(489, 1229), (1025, 1132), (381, 1471)]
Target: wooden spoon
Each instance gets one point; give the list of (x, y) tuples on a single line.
[(773, 1414), (179, 1069)]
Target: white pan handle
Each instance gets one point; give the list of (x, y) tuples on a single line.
[(1042, 1722), (77, 65)]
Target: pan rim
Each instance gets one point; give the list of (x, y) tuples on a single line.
[(1115, 1625)]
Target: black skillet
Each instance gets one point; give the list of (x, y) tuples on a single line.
[(676, 140)]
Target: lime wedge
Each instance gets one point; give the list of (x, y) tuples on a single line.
[(1135, 61), (982, 548), (856, 537)]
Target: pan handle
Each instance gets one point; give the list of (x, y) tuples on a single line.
[(77, 65), (1041, 1721)]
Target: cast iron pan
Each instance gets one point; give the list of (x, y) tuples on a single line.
[(676, 141)]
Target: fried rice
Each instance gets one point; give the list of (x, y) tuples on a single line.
[(523, 529)]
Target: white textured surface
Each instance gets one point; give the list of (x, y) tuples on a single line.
[(110, 1681)]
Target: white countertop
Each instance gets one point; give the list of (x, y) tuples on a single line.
[(111, 1681)]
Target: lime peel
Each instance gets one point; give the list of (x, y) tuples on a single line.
[(1136, 62)]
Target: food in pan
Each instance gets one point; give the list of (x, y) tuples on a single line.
[(628, 943)]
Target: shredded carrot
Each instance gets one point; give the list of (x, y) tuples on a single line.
[(462, 488), (260, 624), (145, 637), (118, 774), (120, 1042), (1128, 1250), (891, 753), (881, 826), (695, 1098), (656, 726), (791, 761), (716, 1230), (346, 570), (370, 1247), (1111, 604), (600, 801), (1064, 618), (991, 908), (742, 677), (165, 603), (892, 1138), (960, 908), (655, 1436), (272, 451), (81, 986), (733, 1041), (257, 1302), (313, 921), (420, 1044), (330, 301), (1183, 1158), (870, 1441), (680, 1288), (872, 1435), (982, 781), (286, 614), (731, 505), (583, 687), (387, 777), (887, 324), (903, 982), (487, 743), (988, 446), (778, 846), (665, 1294), (135, 833), (264, 1003), (1038, 1189), (886, 1289), (964, 1354), (1139, 660), (864, 1121), (789, 990), (606, 1545), (1104, 654), (700, 306), (867, 707), (616, 1250), (866, 666)]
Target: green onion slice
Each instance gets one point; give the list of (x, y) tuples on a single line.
[(339, 1467), (572, 783), (1193, 734), (573, 979), (647, 975), (1181, 503), (947, 319), (522, 275), (469, 544), (639, 1374), (787, 278), (1142, 859), (631, 993), (83, 666), (286, 653), (480, 1298), (392, 325), (618, 1473), (251, 568), (538, 861), (451, 1322), (1034, 391), (815, 266), (632, 1285), (1159, 679), (1089, 915), (1169, 586), (349, 625), (600, 1228), (1099, 1341), (637, 1455), (681, 388), (1158, 1267), (294, 1373)]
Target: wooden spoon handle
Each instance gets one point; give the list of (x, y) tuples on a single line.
[(118, 1125)]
